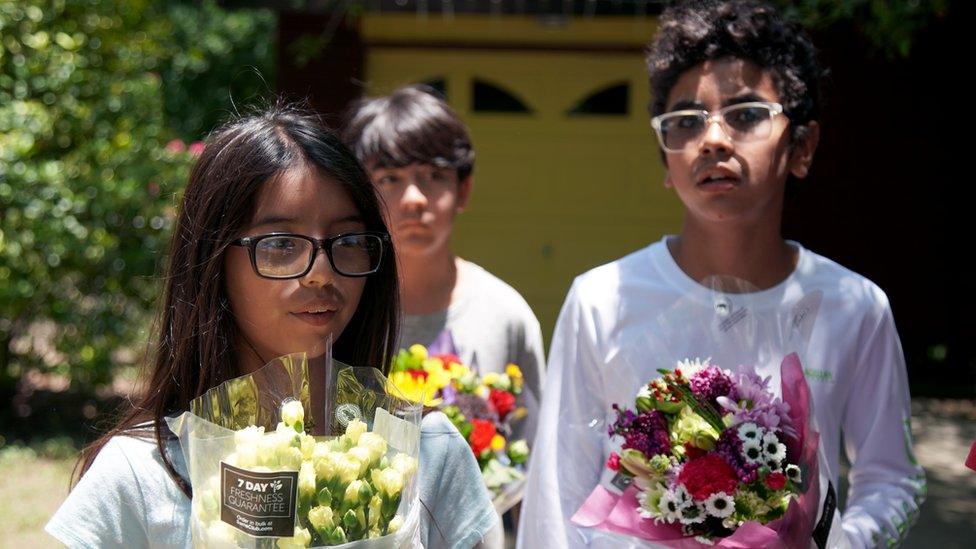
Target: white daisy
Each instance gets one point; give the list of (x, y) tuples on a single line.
[(646, 508), (750, 431), (752, 452), (793, 473), (773, 449), (668, 506), (692, 514), (689, 366), (719, 505), (682, 496)]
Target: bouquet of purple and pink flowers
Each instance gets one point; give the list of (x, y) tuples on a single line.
[(712, 457)]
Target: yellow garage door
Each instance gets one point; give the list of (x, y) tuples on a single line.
[(567, 174)]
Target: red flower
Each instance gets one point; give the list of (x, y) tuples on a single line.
[(449, 359), (613, 462), (175, 146), (776, 481), (693, 452), (707, 475), (196, 148), (481, 435), (502, 401)]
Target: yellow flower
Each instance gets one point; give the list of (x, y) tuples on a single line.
[(375, 503), (321, 517), (348, 468), (354, 429), (326, 462), (437, 376), (301, 539), (375, 444), (418, 351), (395, 524), (497, 443), (404, 463), (364, 456), (413, 388), (491, 379), (513, 371), (353, 495), (458, 370), (248, 437), (306, 479), (308, 445), (293, 414), (388, 481)]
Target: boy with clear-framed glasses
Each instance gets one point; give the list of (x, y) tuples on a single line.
[(735, 109)]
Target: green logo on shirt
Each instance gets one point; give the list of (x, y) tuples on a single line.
[(818, 375)]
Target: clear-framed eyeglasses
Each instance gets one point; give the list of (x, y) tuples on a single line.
[(742, 122)]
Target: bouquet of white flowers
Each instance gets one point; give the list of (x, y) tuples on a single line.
[(261, 480)]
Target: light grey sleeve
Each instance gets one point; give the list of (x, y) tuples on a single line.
[(457, 511), (531, 360), (106, 509)]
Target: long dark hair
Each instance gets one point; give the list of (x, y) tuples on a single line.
[(195, 332)]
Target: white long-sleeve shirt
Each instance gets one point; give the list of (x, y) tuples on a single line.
[(854, 366)]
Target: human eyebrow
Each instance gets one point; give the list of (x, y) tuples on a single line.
[(354, 218), (350, 218), (687, 105), (273, 220), (749, 97)]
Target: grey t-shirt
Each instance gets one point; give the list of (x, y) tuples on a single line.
[(491, 326), (126, 499)]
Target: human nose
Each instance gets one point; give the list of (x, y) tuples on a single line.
[(414, 198), (321, 272), (716, 139)]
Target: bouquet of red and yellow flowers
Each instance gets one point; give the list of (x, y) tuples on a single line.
[(482, 408)]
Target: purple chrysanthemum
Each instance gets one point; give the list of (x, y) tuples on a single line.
[(756, 403), (710, 383)]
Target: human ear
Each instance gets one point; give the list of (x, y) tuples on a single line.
[(803, 150), (463, 192), (668, 184)]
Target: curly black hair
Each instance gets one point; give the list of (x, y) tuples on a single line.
[(696, 31)]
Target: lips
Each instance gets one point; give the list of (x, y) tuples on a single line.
[(411, 225), (718, 179), (317, 313), (316, 319)]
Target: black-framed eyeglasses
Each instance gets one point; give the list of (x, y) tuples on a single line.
[(742, 122), (288, 255)]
